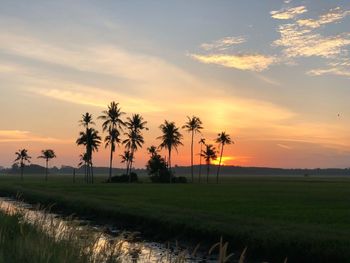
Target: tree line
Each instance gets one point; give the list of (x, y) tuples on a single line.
[(131, 129)]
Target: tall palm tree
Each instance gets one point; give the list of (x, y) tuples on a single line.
[(47, 155), (193, 125), (112, 139), (134, 140), (126, 157), (84, 159), (201, 142), (152, 150), (209, 154), (171, 139), (85, 121), (112, 122), (91, 140), (222, 139), (21, 159)]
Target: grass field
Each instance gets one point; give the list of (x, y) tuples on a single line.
[(304, 219)]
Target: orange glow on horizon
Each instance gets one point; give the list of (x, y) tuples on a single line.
[(224, 161)]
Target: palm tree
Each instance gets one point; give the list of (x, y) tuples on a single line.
[(209, 154), (152, 150), (222, 139), (21, 159), (193, 125), (84, 159), (47, 155), (112, 139), (201, 142), (86, 121), (126, 157), (135, 125), (133, 141), (171, 139), (91, 140), (112, 122)]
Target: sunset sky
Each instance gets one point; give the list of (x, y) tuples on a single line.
[(275, 75)]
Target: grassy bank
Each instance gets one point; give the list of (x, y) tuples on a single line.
[(22, 242), (306, 219)]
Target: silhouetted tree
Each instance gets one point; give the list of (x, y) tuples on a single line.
[(171, 139), (126, 157), (201, 142), (84, 159), (193, 125), (222, 139), (112, 139), (209, 154), (134, 139), (47, 155), (156, 167), (86, 121), (91, 140), (21, 159), (114, 124)]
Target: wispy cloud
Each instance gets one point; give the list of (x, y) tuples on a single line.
[(91, 96), (284, 146), (333, 15), (26, 136), (268, 80), (300, 42), (253, 62), (288, 13), (339, 71), (223, 43)]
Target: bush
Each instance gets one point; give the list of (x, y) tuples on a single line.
[(124, 178), (179, 180)]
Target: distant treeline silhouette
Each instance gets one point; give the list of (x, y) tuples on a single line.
[(186, 170)]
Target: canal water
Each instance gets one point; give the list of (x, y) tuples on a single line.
[(106, 240)]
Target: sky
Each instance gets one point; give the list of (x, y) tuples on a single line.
[(275, 75)]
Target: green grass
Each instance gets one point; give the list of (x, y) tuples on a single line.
[(306, 219), (22, 242)]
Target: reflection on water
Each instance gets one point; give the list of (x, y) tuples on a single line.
[(105, 242)]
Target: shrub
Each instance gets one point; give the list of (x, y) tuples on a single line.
[(124, 178)]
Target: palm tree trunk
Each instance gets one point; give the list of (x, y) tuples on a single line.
[(217, 174), (200, 165), (47, 170), (192, 157), (110, 165), (22, 167), (86, 172), (92, 173), (208, 165), (169, 163), (130, 166), (127, 167)]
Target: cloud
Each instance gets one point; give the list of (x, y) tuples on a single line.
[(102, 59), (288, 13), (284, 146), (268, 80), (26, 136), (300, 42), (253, 62), (92, 96), (223, 43), (332, 16), (338, 71)]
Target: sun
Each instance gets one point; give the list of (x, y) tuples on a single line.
[(224, 161)]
